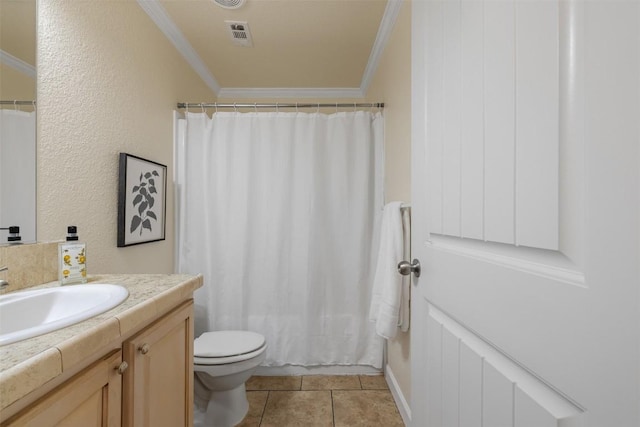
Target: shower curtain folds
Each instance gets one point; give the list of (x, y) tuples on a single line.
[(280, 212)]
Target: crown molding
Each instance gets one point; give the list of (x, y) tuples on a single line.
[(385, 30), (159, 16), (387, 23), (283, 92), (18, 64)]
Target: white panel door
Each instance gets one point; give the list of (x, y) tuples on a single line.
[(526, 213)]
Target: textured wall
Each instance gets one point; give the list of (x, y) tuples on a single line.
[(108, 81), (392, 84)]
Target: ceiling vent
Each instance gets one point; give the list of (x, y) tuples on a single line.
[(239, 32), (229, 4)]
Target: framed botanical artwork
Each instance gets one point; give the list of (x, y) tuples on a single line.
[(142, 200)]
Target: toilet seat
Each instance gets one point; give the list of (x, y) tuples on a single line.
[(224, 347)]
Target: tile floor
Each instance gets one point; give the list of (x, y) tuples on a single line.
[(320, 400)]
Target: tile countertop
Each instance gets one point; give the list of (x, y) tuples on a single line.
[(27, 365)]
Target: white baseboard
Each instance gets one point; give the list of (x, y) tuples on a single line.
[(401, 402), (316, 370)]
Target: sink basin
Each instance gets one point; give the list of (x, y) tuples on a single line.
[(28, 314)]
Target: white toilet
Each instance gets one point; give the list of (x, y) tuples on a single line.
[(222, 362)]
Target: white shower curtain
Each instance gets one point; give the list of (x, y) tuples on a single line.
[(280, 212)]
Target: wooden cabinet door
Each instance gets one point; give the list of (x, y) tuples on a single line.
[(91, 398), (158, 386)]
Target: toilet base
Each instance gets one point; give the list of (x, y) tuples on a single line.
[(227, 408)]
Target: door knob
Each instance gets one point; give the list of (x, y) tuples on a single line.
[(405, 268)]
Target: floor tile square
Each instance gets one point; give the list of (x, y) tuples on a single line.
[(298, 408), (330, 382), (274, 383), (373, 382), (365, 408)]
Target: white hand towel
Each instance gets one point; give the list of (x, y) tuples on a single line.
[(387, 282)]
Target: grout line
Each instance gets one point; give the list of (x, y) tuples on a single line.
[(264, 408), (333, 412), (331, 390)]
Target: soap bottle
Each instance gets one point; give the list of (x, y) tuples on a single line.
[(72, 259)]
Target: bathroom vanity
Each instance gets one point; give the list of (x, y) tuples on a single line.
[(129, 366)]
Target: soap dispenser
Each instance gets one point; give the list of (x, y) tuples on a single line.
[(72, 259), (14, 234)]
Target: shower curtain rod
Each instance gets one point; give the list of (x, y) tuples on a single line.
[(17, 102), (280, 105)]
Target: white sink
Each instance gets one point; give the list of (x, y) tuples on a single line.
[(28, 314)]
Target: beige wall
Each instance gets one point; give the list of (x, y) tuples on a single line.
[(15, 85), (108, 81), (392, 84)]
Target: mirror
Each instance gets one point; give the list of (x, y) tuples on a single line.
[(18, 118)]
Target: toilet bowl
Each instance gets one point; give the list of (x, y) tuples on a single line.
[(222, 362)]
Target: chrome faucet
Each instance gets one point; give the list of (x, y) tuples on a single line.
[(3, 283)]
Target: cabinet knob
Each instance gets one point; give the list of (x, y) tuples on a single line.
[(144, 348), (122, 367)]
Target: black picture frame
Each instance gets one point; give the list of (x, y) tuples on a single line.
[(142, 200)]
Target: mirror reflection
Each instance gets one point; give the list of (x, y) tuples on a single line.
[(18, 118)]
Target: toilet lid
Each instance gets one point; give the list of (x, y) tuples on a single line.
[(226, 343)]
